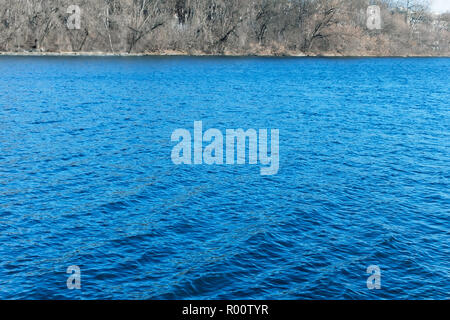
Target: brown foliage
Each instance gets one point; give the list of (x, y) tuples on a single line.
[(223, 26)]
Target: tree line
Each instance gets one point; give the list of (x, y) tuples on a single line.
[(240, 27)]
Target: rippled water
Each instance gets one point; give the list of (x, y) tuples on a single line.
[(86, 179)]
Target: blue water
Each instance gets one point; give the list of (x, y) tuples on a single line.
[(86, 179)]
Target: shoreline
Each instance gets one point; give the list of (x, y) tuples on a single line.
[(202, 54)]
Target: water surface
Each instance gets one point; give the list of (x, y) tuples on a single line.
[(86, 179)]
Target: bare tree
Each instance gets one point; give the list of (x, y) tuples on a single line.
[(323, 17), (144, 19)]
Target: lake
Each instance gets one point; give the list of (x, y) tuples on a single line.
[(87, 179)]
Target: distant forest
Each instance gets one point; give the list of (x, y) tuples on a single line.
[(230, 27)]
